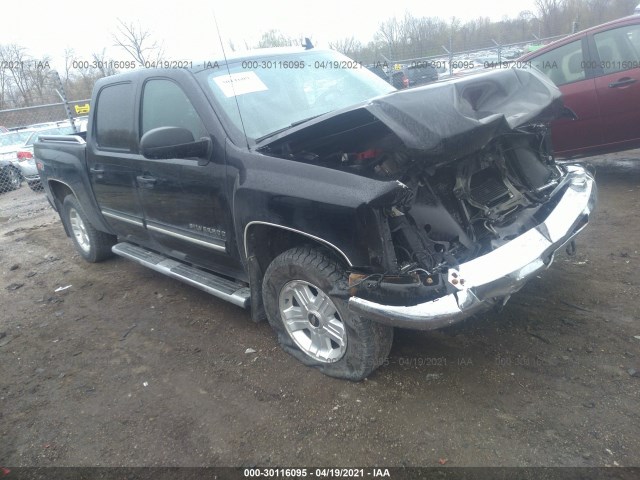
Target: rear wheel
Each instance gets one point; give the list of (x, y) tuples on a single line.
[(94, 245), (313, 323)]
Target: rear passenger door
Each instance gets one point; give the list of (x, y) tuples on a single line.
[(618, 82), (112, 151)]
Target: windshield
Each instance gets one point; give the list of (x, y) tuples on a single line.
[(276, 92)]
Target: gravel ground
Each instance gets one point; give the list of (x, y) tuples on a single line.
[(126, 367)]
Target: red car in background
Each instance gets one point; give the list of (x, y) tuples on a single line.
[(598, 72)]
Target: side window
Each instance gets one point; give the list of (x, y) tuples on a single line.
[(114, 117), (564, 64), (618, 49), (164, 104)]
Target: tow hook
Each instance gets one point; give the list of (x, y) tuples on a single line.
[(571, 248)]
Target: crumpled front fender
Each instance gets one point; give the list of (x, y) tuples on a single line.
[(483, 281)]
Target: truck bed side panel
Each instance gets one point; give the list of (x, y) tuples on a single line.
[(65, 162)]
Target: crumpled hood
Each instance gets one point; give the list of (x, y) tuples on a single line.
[(452, 118)]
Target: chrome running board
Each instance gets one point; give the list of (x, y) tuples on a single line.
[(234, 292)]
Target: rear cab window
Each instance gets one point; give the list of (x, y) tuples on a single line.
[(114, 123)]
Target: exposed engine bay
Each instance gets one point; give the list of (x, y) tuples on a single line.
[(455, 211), (473, 172)]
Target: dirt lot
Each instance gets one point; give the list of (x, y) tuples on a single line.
[(129, 368)]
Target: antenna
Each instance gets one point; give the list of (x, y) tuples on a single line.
[(230, 78)]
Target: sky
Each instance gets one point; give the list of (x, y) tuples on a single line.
[(187, 28)]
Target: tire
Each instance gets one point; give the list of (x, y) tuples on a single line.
[(313, 324), (93, 245)]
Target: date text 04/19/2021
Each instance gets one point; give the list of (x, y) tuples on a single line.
[(316, 472)]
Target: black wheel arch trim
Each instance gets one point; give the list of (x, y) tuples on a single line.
[(93, 213)]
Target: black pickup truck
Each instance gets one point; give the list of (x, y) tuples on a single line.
[(295, 184)]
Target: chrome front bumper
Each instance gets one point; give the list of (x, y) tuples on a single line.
[(493, 277)]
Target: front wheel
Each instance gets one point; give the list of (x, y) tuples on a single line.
[(313, 323), (94, 245)]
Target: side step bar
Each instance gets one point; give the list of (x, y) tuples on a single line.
[(236, 293)]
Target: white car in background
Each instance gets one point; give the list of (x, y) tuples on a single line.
[(24, 155), (10, 142)]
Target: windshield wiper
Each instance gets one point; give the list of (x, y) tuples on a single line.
[(280, 130)]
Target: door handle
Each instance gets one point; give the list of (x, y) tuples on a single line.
[(97, 171), (146, 181), (622, 82)]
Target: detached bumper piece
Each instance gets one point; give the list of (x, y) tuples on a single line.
[(491, 278)]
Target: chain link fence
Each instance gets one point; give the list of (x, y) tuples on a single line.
[(29, 117), (486, 54), (19, 129)]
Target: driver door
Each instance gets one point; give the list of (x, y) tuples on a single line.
[(184, 201)]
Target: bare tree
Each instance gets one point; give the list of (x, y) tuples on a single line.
[(38, 76), (137, 42), (83, 82), (423, 34), (549, 14), (69, 55), (103, 65), (523, 24), (4, 78), (18, 62), (348, 46), (275, 38), (598, 10), (390, 34)]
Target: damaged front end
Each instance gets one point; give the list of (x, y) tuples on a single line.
[(479, 206)]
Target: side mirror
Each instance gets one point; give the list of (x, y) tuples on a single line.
[(173, 142)]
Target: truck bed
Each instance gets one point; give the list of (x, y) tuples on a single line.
[(61, 161)]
